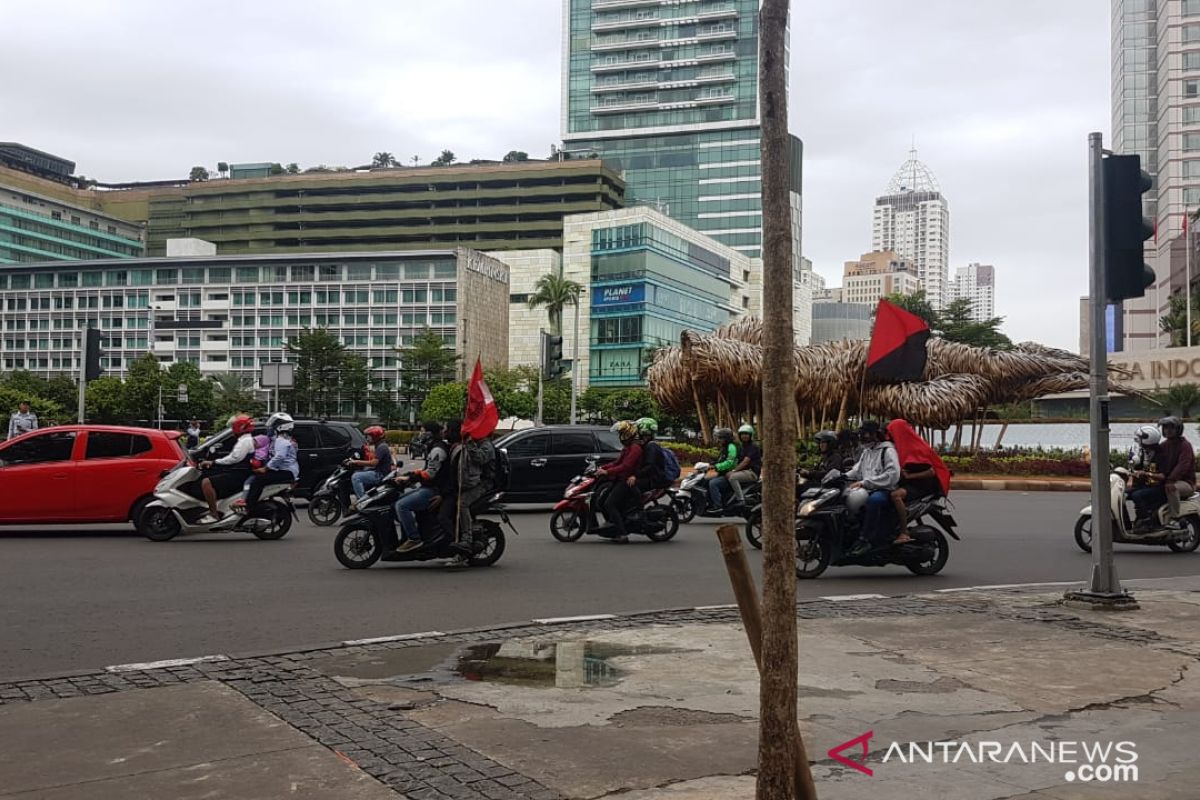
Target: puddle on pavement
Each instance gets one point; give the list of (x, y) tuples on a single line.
[(564, 665)]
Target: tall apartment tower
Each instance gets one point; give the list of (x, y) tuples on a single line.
[(1156, 115), (913, 220), (667, 91), (977, 283)]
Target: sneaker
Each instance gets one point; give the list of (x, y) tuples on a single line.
[(209, 519), (1176, 525), (859, 548), (410, 545), (458, 562)]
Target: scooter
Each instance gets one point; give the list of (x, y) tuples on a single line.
[(694, 500), (826, 529), (577, 513), (806, 489), (371, 532), (178, 506), (1157, 534), (333, 499)]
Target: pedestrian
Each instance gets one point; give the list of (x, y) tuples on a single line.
[(22, 421), (193, 434)]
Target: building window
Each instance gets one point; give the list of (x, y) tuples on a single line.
[(1191, 8), (1191, 33), (1191, 88), (1191, 141), (74, 220)]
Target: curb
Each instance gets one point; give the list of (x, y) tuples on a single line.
[(1018, 485)]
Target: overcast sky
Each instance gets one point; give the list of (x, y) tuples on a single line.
[(999, 96)]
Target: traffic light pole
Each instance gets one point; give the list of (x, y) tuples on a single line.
[(1104, 589), (83, 359), (541, 372)]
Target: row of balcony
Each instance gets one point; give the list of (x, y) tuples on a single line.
[(651, 19), (656, 105), (600, 45), (603, 88), (658, 63)]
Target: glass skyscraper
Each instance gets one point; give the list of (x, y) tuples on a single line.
[(667, 91)]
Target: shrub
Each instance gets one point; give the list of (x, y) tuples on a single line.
[(398, 437)]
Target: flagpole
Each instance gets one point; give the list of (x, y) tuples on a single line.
[(1187, 287)]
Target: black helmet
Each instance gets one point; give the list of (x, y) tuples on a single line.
[(829, 437), (870, 430), (1173, 423)]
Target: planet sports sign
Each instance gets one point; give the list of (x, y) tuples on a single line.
[(616, 295)]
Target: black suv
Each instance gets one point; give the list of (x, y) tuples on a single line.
[(544, 460), (322, 446)]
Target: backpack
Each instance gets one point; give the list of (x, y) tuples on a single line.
[(501, 470), (671, 470)]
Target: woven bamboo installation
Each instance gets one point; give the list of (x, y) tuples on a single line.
[(722, 372)]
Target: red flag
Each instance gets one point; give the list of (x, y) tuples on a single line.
[(482, 415), (912, 449), (898, 339)]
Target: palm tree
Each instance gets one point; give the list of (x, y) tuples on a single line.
[(553, 291), (232, 393), (383, 159), (1181, 397)]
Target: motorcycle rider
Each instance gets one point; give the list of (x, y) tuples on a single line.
[(623, 474), (878, 472), (227, 474), (283, 465), (749, 463), (922, 472), (377, 465), (469, 474), (652, 473), (726, 460), (1172, 475), (829, 456), (434, 480)]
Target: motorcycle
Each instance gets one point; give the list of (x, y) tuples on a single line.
[(1158, 534), (335, 495), (692, 499), (371, 532), (576, 514), (806, 489), (826, 529), (178, 506)]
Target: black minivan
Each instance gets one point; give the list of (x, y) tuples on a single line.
[(544, 460), (322, 446)]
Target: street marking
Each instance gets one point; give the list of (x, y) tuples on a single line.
[(398, 638), (715, 608), (841, 598), (584, 618), (170, 662), (1008, 586)]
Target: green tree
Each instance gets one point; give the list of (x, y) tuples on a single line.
[(445, 401), (955, 324), (355, 380), (25, 382), (1174, 321), (318, 356), (383, 159), (198, 174), (200, 392), (427, 363), (1179, 399), (444, 160), (513, 156), (916, 303), (387, 410), (276, 169), (63, 389), (553, 292), (231, 394), (48, 412), (222, 168), (292, 168), (105, 400), (142, 383)]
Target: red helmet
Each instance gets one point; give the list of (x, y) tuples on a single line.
[(241, 424), (374, 433)]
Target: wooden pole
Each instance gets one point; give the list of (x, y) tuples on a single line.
[(841, 417), (780, 777), (742, 580), (705, 428)]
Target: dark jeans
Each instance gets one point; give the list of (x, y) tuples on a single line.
[(617, 505), (716, 491), (875, 528), (260, 482), (1148, 499)]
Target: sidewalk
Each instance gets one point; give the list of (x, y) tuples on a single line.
[(657, 706)]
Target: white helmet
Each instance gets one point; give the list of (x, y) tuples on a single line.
[(856, 500), (280, 421), (1148, 436)]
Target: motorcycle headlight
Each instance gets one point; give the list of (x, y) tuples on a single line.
[(809, 507)]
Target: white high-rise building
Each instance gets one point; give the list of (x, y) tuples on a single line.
[(977, 283), (913, 220)]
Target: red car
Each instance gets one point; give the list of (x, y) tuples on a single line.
[(83, 473)]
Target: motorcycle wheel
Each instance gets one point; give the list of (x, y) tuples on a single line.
[(812, 554), (933, 566), (324, 510), (1193, 541), (1083, 533), (568, 525), (670, 526), (158, 524), (356, 546), (493, 548), (754, 529), (685, 509), (280, 520)]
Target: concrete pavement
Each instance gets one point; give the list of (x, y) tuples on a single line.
[(658, 706)]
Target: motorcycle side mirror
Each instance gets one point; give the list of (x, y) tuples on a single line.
[(833, 476)]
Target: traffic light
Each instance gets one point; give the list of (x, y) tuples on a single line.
[(1125, 229), (92, 353), (552, 353)]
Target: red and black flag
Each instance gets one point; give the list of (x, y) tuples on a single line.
[(898, 339)]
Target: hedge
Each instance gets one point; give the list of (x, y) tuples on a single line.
[(399, 437)]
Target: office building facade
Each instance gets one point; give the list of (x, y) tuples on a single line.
[(838, 321), (913, 220), (235, 313), (35, 227), (876, 275), (668, 93), (976, 283)]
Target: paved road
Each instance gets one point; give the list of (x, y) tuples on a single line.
[(87, 599)]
